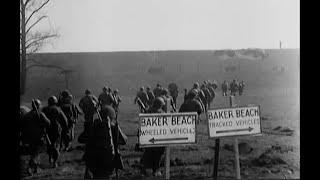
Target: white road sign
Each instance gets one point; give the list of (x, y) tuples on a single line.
[(167, 128), (234, 121)]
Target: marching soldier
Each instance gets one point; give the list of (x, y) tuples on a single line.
[(206, 98), (151, 96), (101, 146), (142, 100), (58, 124), (213, 94), (157, 91), (106, 97), (241, 87), (167, 99), (233, 87), (224, 88), (34, 125), (72, 113), (152, 155), (199, 93), (174, 92), (88, 104), (117, 100), (191, 104)]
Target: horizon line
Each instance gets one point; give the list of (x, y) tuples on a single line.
[(52, 52)]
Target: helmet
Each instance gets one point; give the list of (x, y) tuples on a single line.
[(159, 102), (104, 88), (148, 87), (193, 94), (141, 88), (52, 100), (196, 85), (65, 93), (87, 92), (165, 91), (36, 103)]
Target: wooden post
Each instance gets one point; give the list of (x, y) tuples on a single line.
[(235, 145), (167, 148), (216, 159), (167, 163)]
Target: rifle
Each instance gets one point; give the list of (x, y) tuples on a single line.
[(141, 105), (117, 155), (38, 113)]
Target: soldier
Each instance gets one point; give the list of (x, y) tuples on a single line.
[(142, 97), (199, 93), (241, 87), (167, 98), (62, 96), (174, 92), (106, 97), (117, 100), (191, 104), (88, 104), (72, 112), (157, 90), (58, 124), (152, 155), (233, 87), (206, 99), (34, 125), (213, 94), (151, 96), (215, 84), (100, 151), (224, 88)]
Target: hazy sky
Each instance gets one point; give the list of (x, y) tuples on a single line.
[(128, 25)]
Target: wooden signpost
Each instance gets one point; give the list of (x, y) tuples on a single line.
[(167, 129), (233, 121)]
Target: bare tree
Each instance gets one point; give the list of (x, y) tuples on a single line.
[(31, 40)]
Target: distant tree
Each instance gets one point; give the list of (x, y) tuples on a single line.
[(32, 41)]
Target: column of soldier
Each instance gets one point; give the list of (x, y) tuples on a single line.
[(54, 125)]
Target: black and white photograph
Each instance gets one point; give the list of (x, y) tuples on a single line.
[(159, 89)]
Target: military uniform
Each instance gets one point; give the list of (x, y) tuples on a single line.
[(106, 98), (213, 95), (100, 149), (88, 104), (234, 88), (191, 105), (224, 88), (174, 92), (151, 97), (157, 91), (241, 87), (72, 113), (206, 98), (58, 124), (117, 100), (143, 96), (33, 129)]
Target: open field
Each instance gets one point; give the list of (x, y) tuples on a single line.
[(275, 154)]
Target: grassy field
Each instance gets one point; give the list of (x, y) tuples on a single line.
[(275, 154)]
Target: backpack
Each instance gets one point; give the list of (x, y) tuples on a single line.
[(68, 110)]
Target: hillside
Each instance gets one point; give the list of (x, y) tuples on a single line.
[(129, 70)]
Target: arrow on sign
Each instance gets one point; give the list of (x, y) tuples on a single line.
[(167, 139), (235, 130)]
